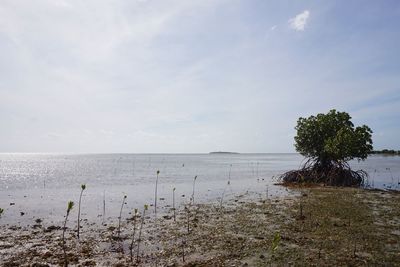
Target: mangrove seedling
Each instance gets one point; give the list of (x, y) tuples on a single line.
[(173, 203), (187, 209), (229, 176), (194, 183), (135, 214), (120, 216), (83, 187), (391, 174), (155, 194), (226, 187), (223, 194), (257, 170), (301, 215), (69, 208), (104, 206), (275, 241), (183, 250), (140, 232), (1, 212)]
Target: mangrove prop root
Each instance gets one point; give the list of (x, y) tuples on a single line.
[(334, 174)]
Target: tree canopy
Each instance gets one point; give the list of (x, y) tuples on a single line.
[(332, 138)]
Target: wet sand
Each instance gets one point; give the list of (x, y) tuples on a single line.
[(312, 226)]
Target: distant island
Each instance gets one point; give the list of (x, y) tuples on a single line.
[(386, 152), (223, 152)]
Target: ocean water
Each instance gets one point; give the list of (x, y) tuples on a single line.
[(39, 185)]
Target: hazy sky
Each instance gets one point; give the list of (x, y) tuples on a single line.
[(193, 75)]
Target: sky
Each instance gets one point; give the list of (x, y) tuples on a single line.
[(178, 76)]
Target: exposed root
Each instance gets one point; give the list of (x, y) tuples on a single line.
[(334, 174)]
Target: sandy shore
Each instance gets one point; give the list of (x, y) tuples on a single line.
[(315, 226)]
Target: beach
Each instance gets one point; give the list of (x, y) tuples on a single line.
[(311, 226)]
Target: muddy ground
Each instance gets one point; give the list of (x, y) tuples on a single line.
[(318, 226)]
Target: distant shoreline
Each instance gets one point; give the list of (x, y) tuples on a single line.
[(223, 152), (389, 152)]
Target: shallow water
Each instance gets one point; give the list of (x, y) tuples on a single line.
[(41, 184)]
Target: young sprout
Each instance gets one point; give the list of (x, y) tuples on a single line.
[(1, 211), (275, 241), (194, 183), (183, 250), (226, 187), (135, 214), (83, 187), (187, 209), (173, 203), (120, 216), (391, 174), (146, 207), (229, 176), (257, 170), (223, 194), (69, 208), (155, 195), (104, 205)]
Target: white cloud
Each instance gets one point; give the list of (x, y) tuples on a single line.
[(299, 22)]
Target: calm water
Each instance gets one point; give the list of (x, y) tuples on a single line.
[(41, 184)]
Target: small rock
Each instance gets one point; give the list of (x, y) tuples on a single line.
[(89, 263), (47, 254), (52, 228), (12, 204), (5, 245), (38, 264), (167, 217)]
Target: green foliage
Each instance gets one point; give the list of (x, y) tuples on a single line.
[(1, 211), (70, 206), (83, 187), (332, 138)]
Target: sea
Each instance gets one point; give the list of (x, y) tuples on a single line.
[(36, 186)]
